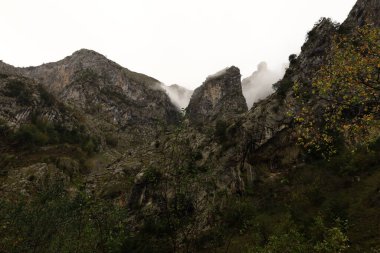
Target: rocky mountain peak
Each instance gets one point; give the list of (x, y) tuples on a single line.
[(90, 82), (86, 52), (364, 11), (58, 75), (219, 96)]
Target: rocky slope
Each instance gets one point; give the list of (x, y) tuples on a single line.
[(364, 11), (88, 81), (175, 174)]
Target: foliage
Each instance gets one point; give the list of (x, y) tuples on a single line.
[(333, 240), (175, 188), (40, 132), (220, 130), (47, 98), (345, 94), (293, 58), (19, 90), (86, 76), (282, 87), (4, 128), (31, 135), (55, 221), (291, 242), (3, 76), (112, 140), (311, 35)]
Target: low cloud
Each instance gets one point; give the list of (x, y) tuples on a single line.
[(178, 95), (259, 84)]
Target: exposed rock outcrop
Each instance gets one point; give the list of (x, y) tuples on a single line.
[(102, 89), (364, 11), (235, 151), (22, 98), (220, 96)]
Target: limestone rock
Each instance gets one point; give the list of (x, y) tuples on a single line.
[(90, 82), (364, 11), (220, 96)]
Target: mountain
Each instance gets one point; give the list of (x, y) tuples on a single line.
[(105, 155), (219, 96), (364, 11)]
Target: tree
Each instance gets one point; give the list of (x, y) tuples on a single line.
[(343, 101)]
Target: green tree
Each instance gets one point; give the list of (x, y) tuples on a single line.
[(345, 94)]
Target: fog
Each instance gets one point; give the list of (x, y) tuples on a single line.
[(255, 87), (178, 95), (217, 74), (259, 84)]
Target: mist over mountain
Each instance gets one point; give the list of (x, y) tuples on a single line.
[(259, 84), (95, 157), (178, 95)]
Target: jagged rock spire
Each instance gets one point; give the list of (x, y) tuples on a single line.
[(220, 96)]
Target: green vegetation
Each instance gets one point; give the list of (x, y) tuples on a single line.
[(221, 130), (231, 196), (325, 206), (282, 87), (112, 140), (3, 76), (47, 98), (86, 76), (312, 34), (57, 221), (19, 90), (41, 132), (346, 92)]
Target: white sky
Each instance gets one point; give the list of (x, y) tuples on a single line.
[(175, 41)]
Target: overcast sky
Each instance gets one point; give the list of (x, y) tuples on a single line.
[(175, 41)]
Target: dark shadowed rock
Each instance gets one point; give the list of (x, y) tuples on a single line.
[(364, 11)]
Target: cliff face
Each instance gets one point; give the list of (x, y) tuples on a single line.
[(103, 89), (157, 170), (22, 98), (364, 11), (220, 96)]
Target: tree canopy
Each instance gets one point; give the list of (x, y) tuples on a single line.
[(343, 101)]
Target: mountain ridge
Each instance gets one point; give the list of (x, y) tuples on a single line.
[(219, 177)]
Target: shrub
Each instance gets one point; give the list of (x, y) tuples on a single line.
[(220, 130), (282, 87), (47, 98), (112, 140), (4, 128), (30, 134), (86, 76), (292, 58), (19, 90), (55, 221)]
